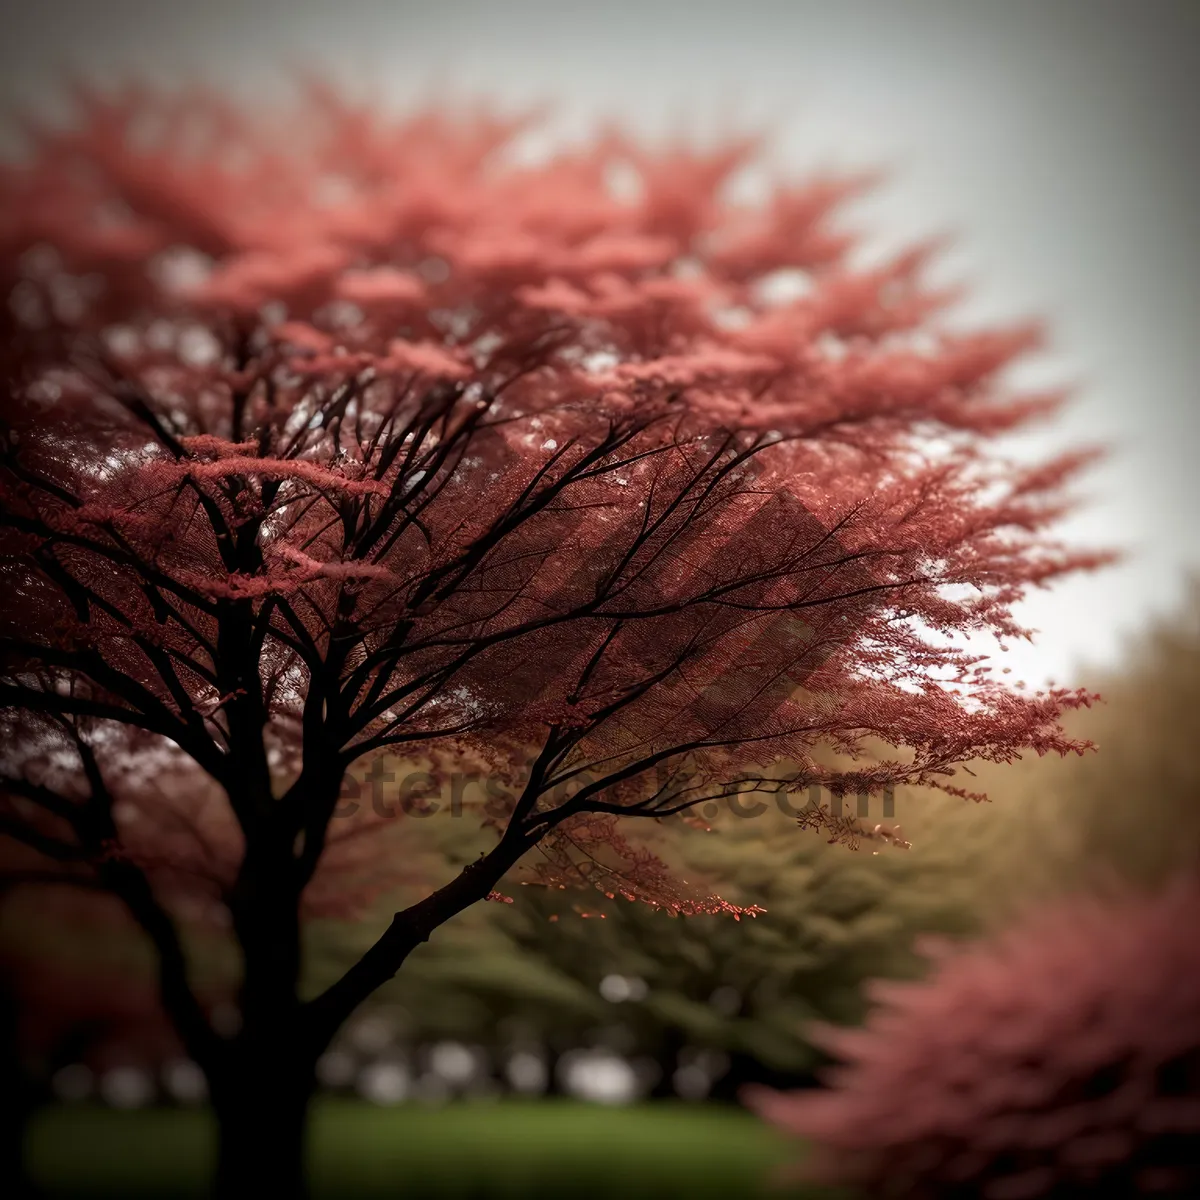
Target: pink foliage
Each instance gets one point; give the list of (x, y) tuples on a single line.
[(1061, 1060), (331, 434)]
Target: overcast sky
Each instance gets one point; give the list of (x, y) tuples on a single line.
[(1056, 138)]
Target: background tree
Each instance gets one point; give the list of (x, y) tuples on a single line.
[(1138, 818), (985, 1079), (329, 434), (528, 975)]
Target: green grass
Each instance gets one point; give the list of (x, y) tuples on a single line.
[(480, 1150)]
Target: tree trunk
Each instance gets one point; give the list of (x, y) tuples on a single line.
[(17, 1099), (673, 1042), (261, 1107), (264, 1082), (262, 1089)]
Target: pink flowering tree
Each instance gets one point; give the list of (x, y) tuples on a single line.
[(331, 435), (1061, 1059)]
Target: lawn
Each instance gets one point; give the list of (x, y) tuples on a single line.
[(480, 1150)]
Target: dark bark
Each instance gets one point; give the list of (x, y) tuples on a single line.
[(324, 1015), (264, 1080), (264, 1083), (668, 1056), (261, 1104), (18, 1096)]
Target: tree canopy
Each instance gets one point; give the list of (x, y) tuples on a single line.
[(328, 433)]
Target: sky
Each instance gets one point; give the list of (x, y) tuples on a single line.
[(1055, 140)]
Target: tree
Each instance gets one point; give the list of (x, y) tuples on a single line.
[(1138, 819), (833, 920), (328, 435), (529, 974), (1061, 1059), (77, 984)]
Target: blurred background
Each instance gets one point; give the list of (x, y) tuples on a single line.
[(1056, 143)]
